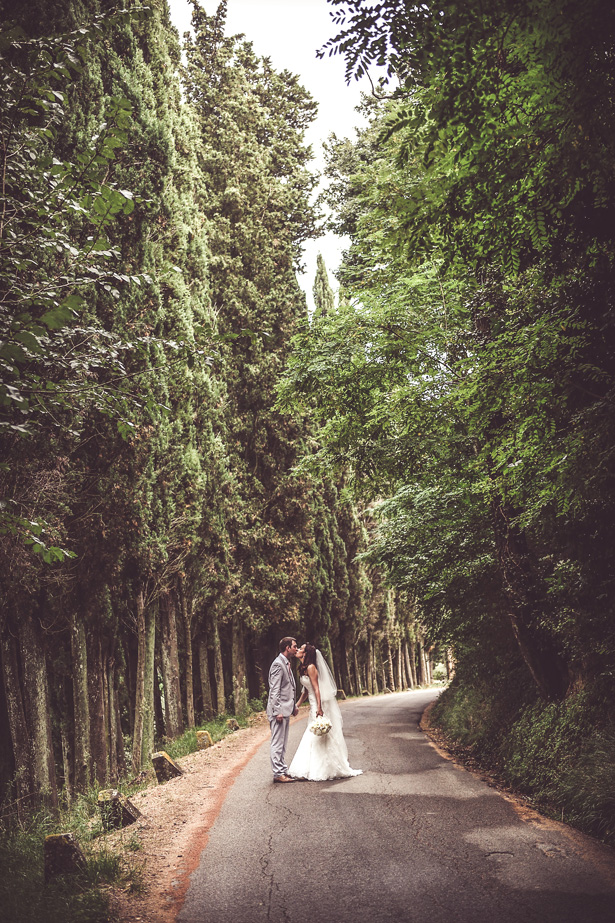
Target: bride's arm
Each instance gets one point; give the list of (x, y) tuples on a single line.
[(301, 698), (313, 674)]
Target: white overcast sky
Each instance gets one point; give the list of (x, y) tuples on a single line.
[(290, 32)]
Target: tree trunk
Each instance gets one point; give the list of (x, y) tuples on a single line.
[(131, 656), (327, 652), (105, 685), (111, 722), (147, 742), (66, 763), (240, 687), (415, 677), (370, 664), (158, 696), (357, 672), (38, 714), (389, 664), (186, 611), (381, 666), (450, 664), (421, 659), (81, 706), (219, 672), (427, 665), (400, 669), (208, 708), (173, 717), (20, 738), (350, 689), (139, 700), (117, 719), (409, 671), (96, 695)]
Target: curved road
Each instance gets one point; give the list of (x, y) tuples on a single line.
[(413, 839)]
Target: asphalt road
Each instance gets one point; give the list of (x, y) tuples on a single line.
[(414, 838)]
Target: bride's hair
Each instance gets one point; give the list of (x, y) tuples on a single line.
[(310, 657)]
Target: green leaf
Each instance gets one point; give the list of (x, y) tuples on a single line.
[(59, 316)]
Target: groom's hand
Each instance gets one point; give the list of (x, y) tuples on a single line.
[(279, 718), (295, 711)]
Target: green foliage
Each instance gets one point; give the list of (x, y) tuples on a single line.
[(58, 363), (150, 235), (498, 102), (256, 196), (55, 213)]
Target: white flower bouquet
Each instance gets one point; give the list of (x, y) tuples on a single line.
[(320, 726)]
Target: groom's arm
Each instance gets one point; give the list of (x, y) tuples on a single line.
[(275, 688)]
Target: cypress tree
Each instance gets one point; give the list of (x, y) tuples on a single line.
[(55, 215), (324, 298)]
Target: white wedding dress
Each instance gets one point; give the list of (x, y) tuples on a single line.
[(320, 758)]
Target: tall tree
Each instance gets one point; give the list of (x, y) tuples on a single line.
[(256, 198), (324, 297)]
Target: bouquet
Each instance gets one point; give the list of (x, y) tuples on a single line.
[(320, 726)]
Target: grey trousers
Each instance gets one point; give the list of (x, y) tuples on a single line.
[(279, 739)]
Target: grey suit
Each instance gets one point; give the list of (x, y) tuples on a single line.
[(281, 701)]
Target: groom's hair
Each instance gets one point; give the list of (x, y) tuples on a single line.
[(284, 643)]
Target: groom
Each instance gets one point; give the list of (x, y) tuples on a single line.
[(280, 706)]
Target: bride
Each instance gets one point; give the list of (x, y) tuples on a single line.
[(325, 757)]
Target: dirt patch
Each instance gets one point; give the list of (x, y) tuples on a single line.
[(165, 844)]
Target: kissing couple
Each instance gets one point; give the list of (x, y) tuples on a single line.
[(319, 756)]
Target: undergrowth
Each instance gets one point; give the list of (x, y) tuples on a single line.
[(561, 755), (83, 897)]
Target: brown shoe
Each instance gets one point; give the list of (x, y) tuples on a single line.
[(283, 779)]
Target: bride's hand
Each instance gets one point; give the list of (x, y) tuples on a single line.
[(319, 713)]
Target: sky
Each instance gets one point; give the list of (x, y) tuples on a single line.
[(290, 32)]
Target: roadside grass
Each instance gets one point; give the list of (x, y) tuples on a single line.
[(78, 898), (82, 897), (187, 743)]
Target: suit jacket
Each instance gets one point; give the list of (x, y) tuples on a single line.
[(281, 699)]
